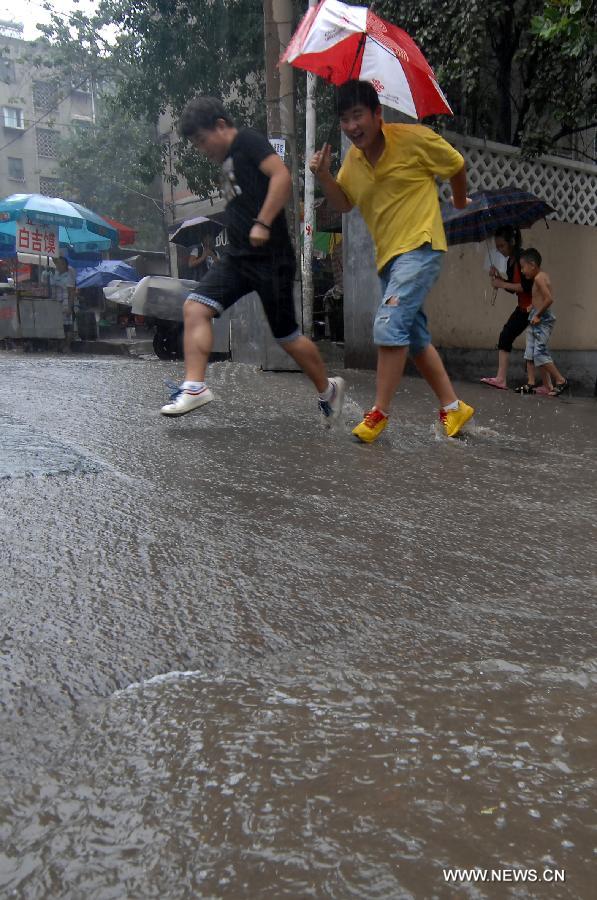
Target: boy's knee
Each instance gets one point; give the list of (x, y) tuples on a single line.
[(194, 310)]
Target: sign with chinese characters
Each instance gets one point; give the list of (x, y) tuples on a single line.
[(279, 145), (41, 239)]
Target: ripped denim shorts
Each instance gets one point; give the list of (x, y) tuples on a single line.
[(405, 282)]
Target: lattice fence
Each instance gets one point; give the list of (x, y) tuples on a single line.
[(569, 186)]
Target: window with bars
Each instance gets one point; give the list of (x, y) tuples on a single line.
[(13, 117), (47, 142), (45, 95), (16, 170), (49, 187)]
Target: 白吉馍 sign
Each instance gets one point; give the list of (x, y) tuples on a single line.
[(37, 239)]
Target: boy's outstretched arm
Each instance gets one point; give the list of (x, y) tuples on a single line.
[(320, 166), (278, 195)]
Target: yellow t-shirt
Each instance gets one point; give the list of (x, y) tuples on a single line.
[(398, 197)]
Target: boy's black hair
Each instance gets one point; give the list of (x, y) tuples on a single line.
[(511, 234), (532, 256), (356, 93), (202, 112)]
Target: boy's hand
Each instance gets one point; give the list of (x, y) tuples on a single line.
[(258, 235), (321, 161), (535, 320)]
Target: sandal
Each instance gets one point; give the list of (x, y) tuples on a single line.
[(559, 388), (493, 382), (525, 389)]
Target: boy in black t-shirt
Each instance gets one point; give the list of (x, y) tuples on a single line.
[(258, 257)]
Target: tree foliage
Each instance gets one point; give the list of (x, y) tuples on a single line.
[(504, 80), (161, 52), (107, 166)]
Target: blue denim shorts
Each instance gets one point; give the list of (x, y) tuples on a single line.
[(537, 339), (407, 278)]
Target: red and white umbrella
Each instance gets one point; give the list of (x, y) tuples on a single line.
[(339, 42)]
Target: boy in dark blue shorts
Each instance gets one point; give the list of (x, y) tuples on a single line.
[(259, 256)]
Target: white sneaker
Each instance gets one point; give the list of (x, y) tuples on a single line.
[(331, 409), (184, 400)]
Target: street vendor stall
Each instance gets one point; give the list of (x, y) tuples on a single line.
[(39, 227)]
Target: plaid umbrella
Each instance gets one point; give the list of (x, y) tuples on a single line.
[(491, 210)]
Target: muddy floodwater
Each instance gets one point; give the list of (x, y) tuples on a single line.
[(243, 657)]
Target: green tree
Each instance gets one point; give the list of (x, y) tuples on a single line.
[(504, 82), (108, 167), (163, 52)]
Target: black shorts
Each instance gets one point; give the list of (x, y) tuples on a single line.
[(515, 325), (272, 277)]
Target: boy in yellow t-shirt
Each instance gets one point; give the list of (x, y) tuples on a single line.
[(389, 174)]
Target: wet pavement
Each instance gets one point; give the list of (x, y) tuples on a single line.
[(245, 657)]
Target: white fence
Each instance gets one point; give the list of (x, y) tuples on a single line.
[(569, 186)]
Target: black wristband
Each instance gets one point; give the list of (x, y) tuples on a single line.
[(263, 225)]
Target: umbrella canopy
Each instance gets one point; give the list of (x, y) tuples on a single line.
[(193, 231), (126, 235), (78, 226), (339, 42), (490, 210), (104, 272)]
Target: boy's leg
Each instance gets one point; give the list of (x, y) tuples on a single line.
[(400, 323), (390, 369), (217, 291), (405, 282), (274, 282), (198, 339), (430, 365), (304, 352), (550, 371), (542, 356)]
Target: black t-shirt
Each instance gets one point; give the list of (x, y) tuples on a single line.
[(245, 187)]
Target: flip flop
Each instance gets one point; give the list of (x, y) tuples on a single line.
[(493, 382)]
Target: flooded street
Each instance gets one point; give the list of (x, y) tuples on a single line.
[(243, 657)]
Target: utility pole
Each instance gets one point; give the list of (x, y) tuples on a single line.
[(309, 207), (280, 100)]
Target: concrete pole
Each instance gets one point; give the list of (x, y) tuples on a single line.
[(279, 94), (309, 208)]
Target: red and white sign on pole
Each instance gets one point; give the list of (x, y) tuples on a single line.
[(41, 239)]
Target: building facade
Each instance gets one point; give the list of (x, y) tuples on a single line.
[(36, 112)]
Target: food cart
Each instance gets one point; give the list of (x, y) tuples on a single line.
[(28, 314)]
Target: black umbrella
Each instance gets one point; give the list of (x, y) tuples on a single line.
[(194, 231), (491, 210)]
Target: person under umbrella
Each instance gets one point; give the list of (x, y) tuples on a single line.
[(508, 243), (63, 284), (389, 174)]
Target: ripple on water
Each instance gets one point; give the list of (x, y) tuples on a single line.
[(317, 782)]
